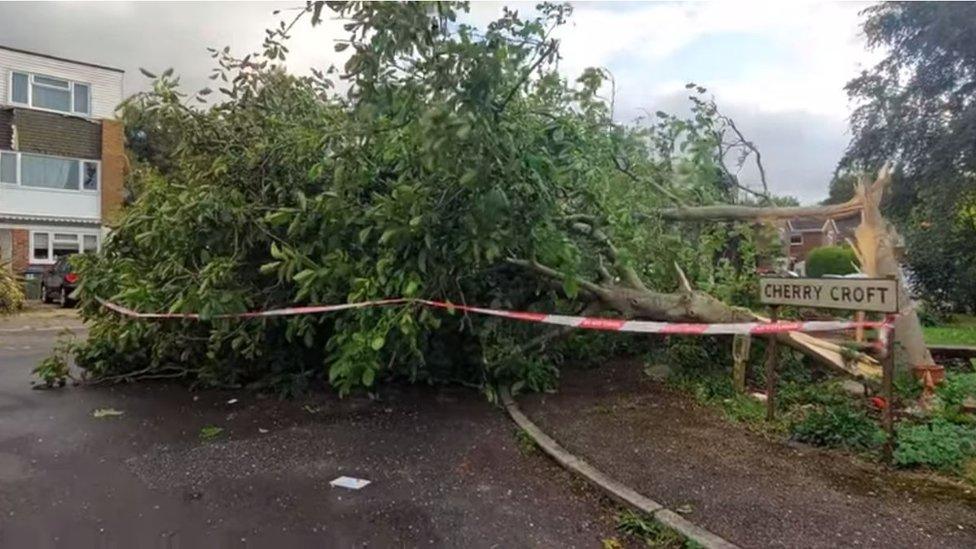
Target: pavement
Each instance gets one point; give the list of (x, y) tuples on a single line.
[(752, 490), (444, 465)]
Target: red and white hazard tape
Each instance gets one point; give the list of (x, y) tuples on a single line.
[(582, 322)]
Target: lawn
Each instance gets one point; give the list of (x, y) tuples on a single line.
[(961, 330)]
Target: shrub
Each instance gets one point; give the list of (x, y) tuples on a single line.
[(953, 392), (938, 444), (11, 292), (839, 427), (835, 260)]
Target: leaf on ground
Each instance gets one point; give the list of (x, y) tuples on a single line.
[(100, 413), (210, 432)]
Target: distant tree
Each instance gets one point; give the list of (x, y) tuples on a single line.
[(841, 188), (918, 107)]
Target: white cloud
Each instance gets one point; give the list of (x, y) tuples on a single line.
[(788, 94)]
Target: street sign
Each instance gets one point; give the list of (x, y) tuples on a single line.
[(856, 294)]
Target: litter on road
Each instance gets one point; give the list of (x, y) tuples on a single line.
[(349, 482), (100, 413)]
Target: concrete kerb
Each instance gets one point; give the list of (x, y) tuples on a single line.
[(615, 489)]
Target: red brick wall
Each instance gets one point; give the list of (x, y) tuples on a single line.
[(21, 249), (113, 169), (810, 241)]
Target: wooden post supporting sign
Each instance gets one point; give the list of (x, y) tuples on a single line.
[(887, 389), (772, 361), (857, 294)]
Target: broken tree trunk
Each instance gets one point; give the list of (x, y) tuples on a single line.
[(875, 247), (875, 241), (688, 305)]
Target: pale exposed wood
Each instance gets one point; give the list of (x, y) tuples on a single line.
[(751, 213), (875, 239)]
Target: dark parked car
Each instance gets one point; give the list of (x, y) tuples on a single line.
[(58, 282)]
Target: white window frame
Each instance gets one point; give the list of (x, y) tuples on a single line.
[(81, 174), (50, 232), (30, 93), (796, 239)]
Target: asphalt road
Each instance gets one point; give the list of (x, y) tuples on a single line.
[(445, 469)]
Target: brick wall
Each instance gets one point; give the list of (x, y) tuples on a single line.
[(113, 169), (811, 240), (21, 249)]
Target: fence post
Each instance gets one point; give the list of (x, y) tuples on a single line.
[(741, 344)]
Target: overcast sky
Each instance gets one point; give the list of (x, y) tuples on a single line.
[(777, 68)]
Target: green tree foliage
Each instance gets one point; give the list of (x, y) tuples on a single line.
[(918, 107), (11, 290), (451, 150), (833, 260), (841, 189)]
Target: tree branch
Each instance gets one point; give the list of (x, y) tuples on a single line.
[(750, 213), (595, 289), (525, 76), (657, 186), (627, 273)]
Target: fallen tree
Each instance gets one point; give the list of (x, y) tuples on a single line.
[(457, 165)]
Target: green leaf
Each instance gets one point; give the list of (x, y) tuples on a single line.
[(369, 375), (377, 343), (387, 235), (210, 432)]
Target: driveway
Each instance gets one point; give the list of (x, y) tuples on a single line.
[(445, 467)]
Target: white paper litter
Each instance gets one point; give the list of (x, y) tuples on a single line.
[(349, 482), (232, 401)]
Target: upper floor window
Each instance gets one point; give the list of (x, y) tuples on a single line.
[(796, 239), (48, 172), (46, 92)]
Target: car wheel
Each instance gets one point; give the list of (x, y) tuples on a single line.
[(46, 295), (65, 301)]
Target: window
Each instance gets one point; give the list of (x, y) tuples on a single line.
[(81, 105), (89, 178), (796, 239), (90, 243), (41, 246), (65, 244), (8, 168), (18, 88), (45, 92), (49, 172), (47, 247), (50, 93)]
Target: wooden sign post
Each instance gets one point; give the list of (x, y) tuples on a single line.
[(878, 295)]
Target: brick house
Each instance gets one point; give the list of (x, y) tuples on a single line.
[(61, 157), (803, 234)]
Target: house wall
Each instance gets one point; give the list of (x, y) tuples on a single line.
[(20, 258), (106, 84), (811, 240), (113, 170), (38, 202), (55, 134)]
